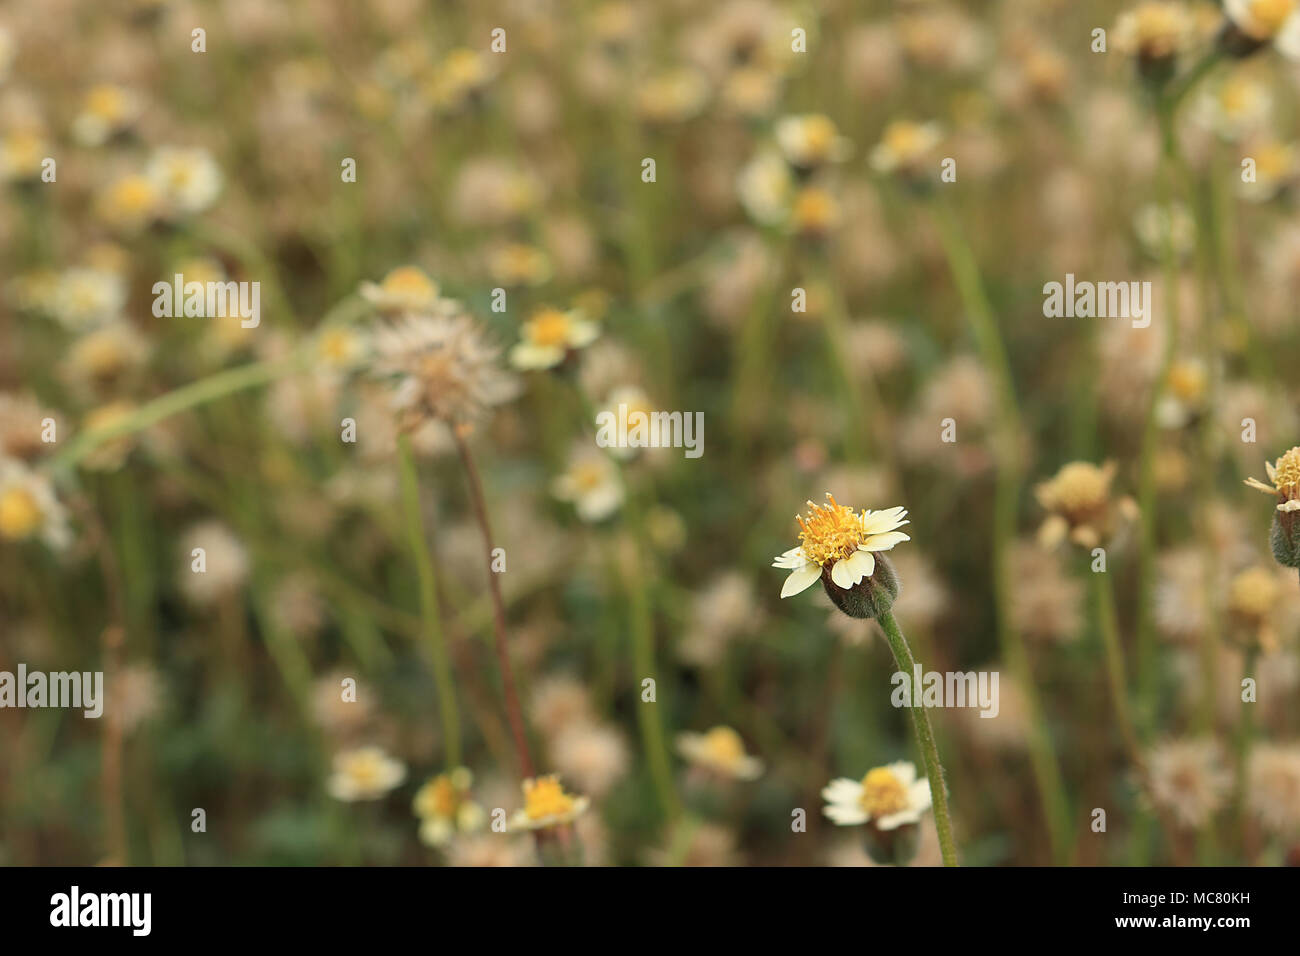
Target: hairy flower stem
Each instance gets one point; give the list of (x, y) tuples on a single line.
[(1042, 754), (429, 608), (514, 712), (925, 738)]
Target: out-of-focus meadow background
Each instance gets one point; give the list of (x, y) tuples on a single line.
[(796, 270)]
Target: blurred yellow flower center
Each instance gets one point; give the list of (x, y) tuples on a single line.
[(409, 281), (903, 138), (366, 770), (818, 135), (544, 797), (549, 327), (883, 793), (1253, 592), (1271, 14), (1187, 381), (20, 515), (814, 209), (1274, 160), (106, 101), (336, 346), (442, 798), (1080, 486), (587, 475), (831, 532), (134, 194), (1159, 27), (724, 745)]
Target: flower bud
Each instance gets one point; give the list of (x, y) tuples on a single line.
[(896, 847), (869, 598), (1284, 537)]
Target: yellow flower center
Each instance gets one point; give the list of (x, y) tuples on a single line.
[(336, 346), (818, 136), (724, 746), (1269, 15), (410, 281), (20, 515), (107, 102), (1286, 473), (1080, 487), (134, 194), (903, 138), (588, 475), (1187, 380), (1274, 160), (544, 797), (830, 532), (1253, 592), (814, 209), (549, 327), (883, 793)]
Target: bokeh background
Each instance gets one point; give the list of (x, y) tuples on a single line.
[(779, 165)]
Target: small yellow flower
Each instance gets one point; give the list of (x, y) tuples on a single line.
[(549, 336), (547, 805), (1155, 30), (904, 146), (722, 751), (1078, 500), (404, 289), (810, 141), (672, 97), (1262, 19), (835, 537), (445, 809), (519, 264), (107, 109), (1285, 477), (887, 798), (366, 773), (130, 203), (29, 508), (815, 212), (1252, 599), (591, 483)]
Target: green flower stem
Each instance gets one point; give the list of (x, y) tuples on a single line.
[(1042, 754), (1108, 624), (1245, 738), (1146, 646), (649, 719), (205, 390), (925, 738), (429, 610)]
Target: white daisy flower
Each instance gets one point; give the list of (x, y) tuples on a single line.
[(834, 536), (887, 797), (720, 750), (366, 773), (547, 805)]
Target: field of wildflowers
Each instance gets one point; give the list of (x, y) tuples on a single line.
[(612, 433)]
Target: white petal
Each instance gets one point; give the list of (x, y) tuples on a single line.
[(904, 771), (794, 558), (895, 820), (918, 795), (800, 580), (878, 522), (883, 542), (842, 790), (845, 816), (856, 566)]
